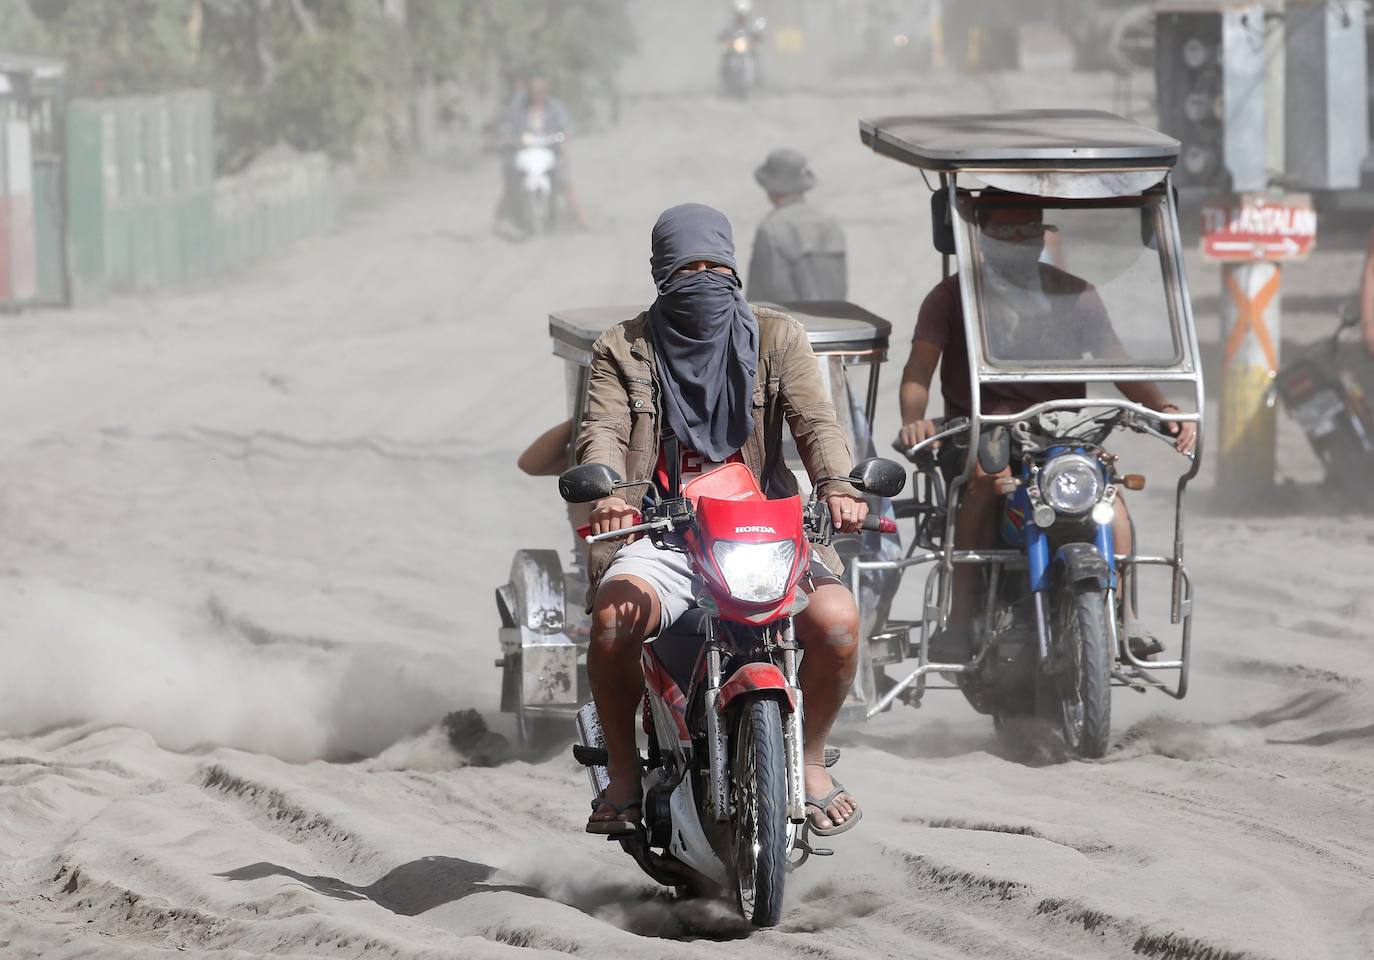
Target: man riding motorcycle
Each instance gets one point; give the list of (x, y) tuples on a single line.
[(1046, 312), (533, 111), (704, 376)]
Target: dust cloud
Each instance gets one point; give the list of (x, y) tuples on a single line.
[(188, 679)]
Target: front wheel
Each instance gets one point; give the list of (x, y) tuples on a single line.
[(1085, 691), (760, 822)]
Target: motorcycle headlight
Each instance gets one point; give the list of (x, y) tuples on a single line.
[(741, 45), (755, 572), (1071, 483)]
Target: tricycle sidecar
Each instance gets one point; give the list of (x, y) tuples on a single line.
[(544, 629), (1101, 301)]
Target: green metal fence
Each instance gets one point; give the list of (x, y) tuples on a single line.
[(145, 208), (275, 201)]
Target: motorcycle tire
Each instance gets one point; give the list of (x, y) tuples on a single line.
[(1347, 464), (759, 784), (1085, 687), (535, 215)]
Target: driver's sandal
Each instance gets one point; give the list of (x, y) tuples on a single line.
[(618, 826), (1143, 644), (821, 804)]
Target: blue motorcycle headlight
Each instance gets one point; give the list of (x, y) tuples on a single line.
[(1071, 483)]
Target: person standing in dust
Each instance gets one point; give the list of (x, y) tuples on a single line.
[(799, 251)]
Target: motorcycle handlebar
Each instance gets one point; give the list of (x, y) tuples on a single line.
[(874, 523), (948, 428), (879, 524)]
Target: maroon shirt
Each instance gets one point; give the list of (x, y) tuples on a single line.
[(941, 322)]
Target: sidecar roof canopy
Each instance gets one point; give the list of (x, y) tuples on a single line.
[(1068, 140), (832, 326)]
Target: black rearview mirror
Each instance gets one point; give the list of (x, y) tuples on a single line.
[(880, 477), (994, 450), (591, 481)]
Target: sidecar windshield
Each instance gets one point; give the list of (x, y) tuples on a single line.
[(1072, 284)]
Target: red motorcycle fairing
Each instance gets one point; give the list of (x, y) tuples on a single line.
[(753, 677), (662, 685), (730, 507)]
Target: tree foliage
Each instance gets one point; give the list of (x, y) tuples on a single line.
[(479, 45), (332, 75)]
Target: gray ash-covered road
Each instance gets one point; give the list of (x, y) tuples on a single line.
[(257, 526)]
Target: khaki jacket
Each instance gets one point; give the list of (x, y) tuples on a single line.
[(623, 412)]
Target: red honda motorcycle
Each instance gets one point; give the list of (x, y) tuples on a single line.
[(724, 800)]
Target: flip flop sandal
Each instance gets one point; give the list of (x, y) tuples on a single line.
[(614, 828), (821, 804)]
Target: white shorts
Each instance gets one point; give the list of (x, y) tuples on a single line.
[(669, 574)]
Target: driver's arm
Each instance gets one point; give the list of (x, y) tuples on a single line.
[(604, 436), (914, 394), (940, 314)]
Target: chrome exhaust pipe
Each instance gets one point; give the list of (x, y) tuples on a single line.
[(589, 735)]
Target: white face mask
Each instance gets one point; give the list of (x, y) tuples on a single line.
[(1016, 303), (1016, 260)]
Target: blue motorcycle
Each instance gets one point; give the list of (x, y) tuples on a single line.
[(1048, 630)]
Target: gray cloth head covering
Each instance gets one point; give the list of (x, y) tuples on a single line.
[(704, 333), (785, 172)]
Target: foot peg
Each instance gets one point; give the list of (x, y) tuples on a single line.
[(803, 847), (590, 756), (832, 756)]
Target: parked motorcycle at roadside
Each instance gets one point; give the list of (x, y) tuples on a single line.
[(724, 798), (1322, 393)]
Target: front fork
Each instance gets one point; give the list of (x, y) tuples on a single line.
[(1041, 579), (794, 740), (718, 737)]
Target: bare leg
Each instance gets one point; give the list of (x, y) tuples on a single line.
[(975, 528), (1121, 536), (575, 204), (829, 630), (625, 614)]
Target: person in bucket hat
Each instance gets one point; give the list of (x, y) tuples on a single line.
[(799, 252)]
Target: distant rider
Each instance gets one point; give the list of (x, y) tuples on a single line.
[(533, 112), (799, 251)]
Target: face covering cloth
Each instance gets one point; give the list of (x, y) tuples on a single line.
[(704, 333)]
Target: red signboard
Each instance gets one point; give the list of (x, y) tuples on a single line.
[(1259, 226)]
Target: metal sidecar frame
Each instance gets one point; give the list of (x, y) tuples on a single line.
[(544, 630), (1067, 158)]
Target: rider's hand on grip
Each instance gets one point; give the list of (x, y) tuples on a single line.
[(916, 431), (846, 513), (876, 524), (612, 514)]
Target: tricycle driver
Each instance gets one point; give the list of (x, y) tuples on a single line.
[(1035, 311), (718, 377)]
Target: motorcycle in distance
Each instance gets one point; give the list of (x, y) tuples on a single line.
[(724, 798), (531, 199), (1053, 611), (1321, 392), (739, 69)]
